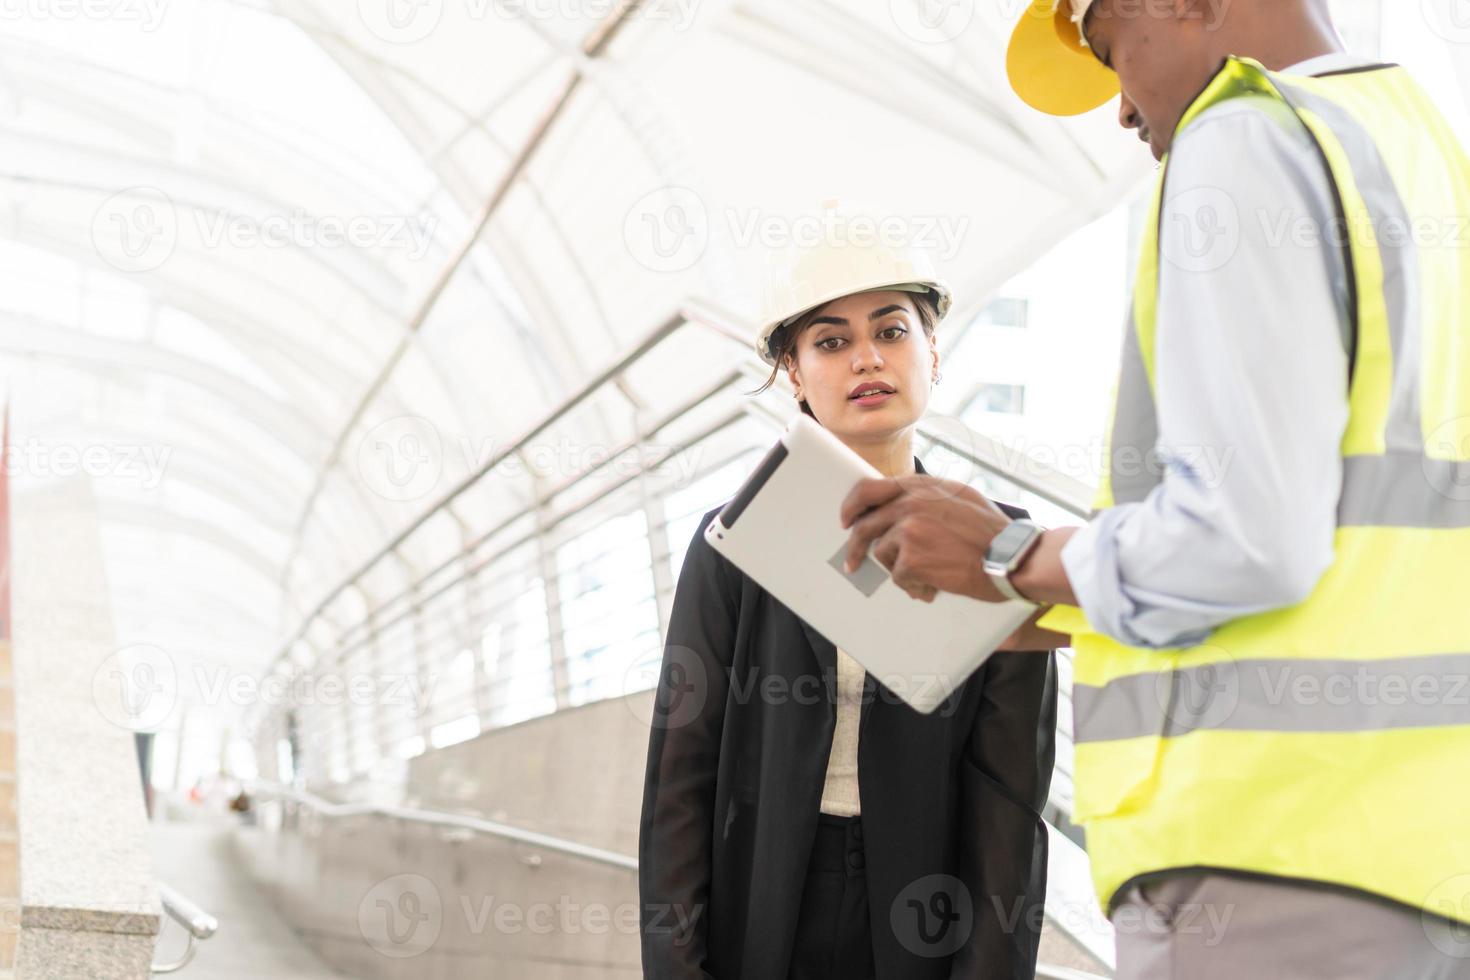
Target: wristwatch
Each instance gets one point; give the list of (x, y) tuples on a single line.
[(1007, 551)]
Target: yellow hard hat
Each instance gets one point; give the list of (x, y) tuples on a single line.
[(1050, 67)]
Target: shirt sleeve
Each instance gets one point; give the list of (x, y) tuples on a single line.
[(1251, 393)]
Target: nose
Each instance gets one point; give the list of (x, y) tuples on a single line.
[(865, 356), (1128, 116)]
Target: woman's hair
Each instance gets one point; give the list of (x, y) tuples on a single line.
[(783, 339)]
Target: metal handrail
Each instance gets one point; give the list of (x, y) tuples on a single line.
[(648, 343), (372, 622), (437, 818), (1049, 483), (729, 419), (198, 923)]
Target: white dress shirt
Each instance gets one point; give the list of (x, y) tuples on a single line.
[(840, 790), (1251, 394)]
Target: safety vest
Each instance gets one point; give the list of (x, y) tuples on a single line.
[(1328, 741)]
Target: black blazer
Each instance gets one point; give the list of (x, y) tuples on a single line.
[(737, 757)]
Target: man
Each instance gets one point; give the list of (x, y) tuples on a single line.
[(1269, 608)]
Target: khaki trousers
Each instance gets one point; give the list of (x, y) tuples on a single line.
[(1202, 926)]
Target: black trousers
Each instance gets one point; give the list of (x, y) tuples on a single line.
[(833, 937)]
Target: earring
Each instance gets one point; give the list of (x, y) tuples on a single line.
[(937, 376)]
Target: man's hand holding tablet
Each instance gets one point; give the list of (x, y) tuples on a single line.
[(930, 533)]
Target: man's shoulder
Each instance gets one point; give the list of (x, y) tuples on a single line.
[(1238, 122)]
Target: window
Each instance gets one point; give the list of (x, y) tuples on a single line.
[(518, 672), (1010, 399), (1003, 311), (608, 615)]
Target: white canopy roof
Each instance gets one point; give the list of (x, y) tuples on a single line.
[(283, 274)]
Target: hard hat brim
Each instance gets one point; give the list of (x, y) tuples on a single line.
[(1051, 69), (943, 300)]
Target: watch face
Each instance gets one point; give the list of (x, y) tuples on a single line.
[(1008, 540)]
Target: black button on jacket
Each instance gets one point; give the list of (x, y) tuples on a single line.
[(737, 756)]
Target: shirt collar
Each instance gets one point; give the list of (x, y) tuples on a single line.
[(1337, 61)]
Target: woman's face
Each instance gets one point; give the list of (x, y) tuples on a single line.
[(862, 339)]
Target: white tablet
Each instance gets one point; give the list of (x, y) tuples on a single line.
[(783, 529)]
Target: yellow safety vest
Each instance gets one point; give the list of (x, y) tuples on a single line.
[(1328, 741)]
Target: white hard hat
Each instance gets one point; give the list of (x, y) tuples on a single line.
[(831, 270)]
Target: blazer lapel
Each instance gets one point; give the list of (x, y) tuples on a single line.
[(824, 651)]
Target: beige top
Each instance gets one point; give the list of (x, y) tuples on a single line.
[(840, 791)]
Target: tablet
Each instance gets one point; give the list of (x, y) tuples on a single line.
[(783, 529)]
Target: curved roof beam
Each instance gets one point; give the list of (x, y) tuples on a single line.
[(229, 322), (34, 337), (241, 481), (107, 102), (594, 47), (211, 614), (461, 185), (165, 521), (333, 267)]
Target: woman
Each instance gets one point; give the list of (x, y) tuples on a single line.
[(759, 857)]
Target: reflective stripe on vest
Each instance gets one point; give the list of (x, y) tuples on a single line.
[(1278, 742), (1290, 695)]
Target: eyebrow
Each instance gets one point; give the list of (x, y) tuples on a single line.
[(841, 321)]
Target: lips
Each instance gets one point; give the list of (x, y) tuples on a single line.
[(871, 388)]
